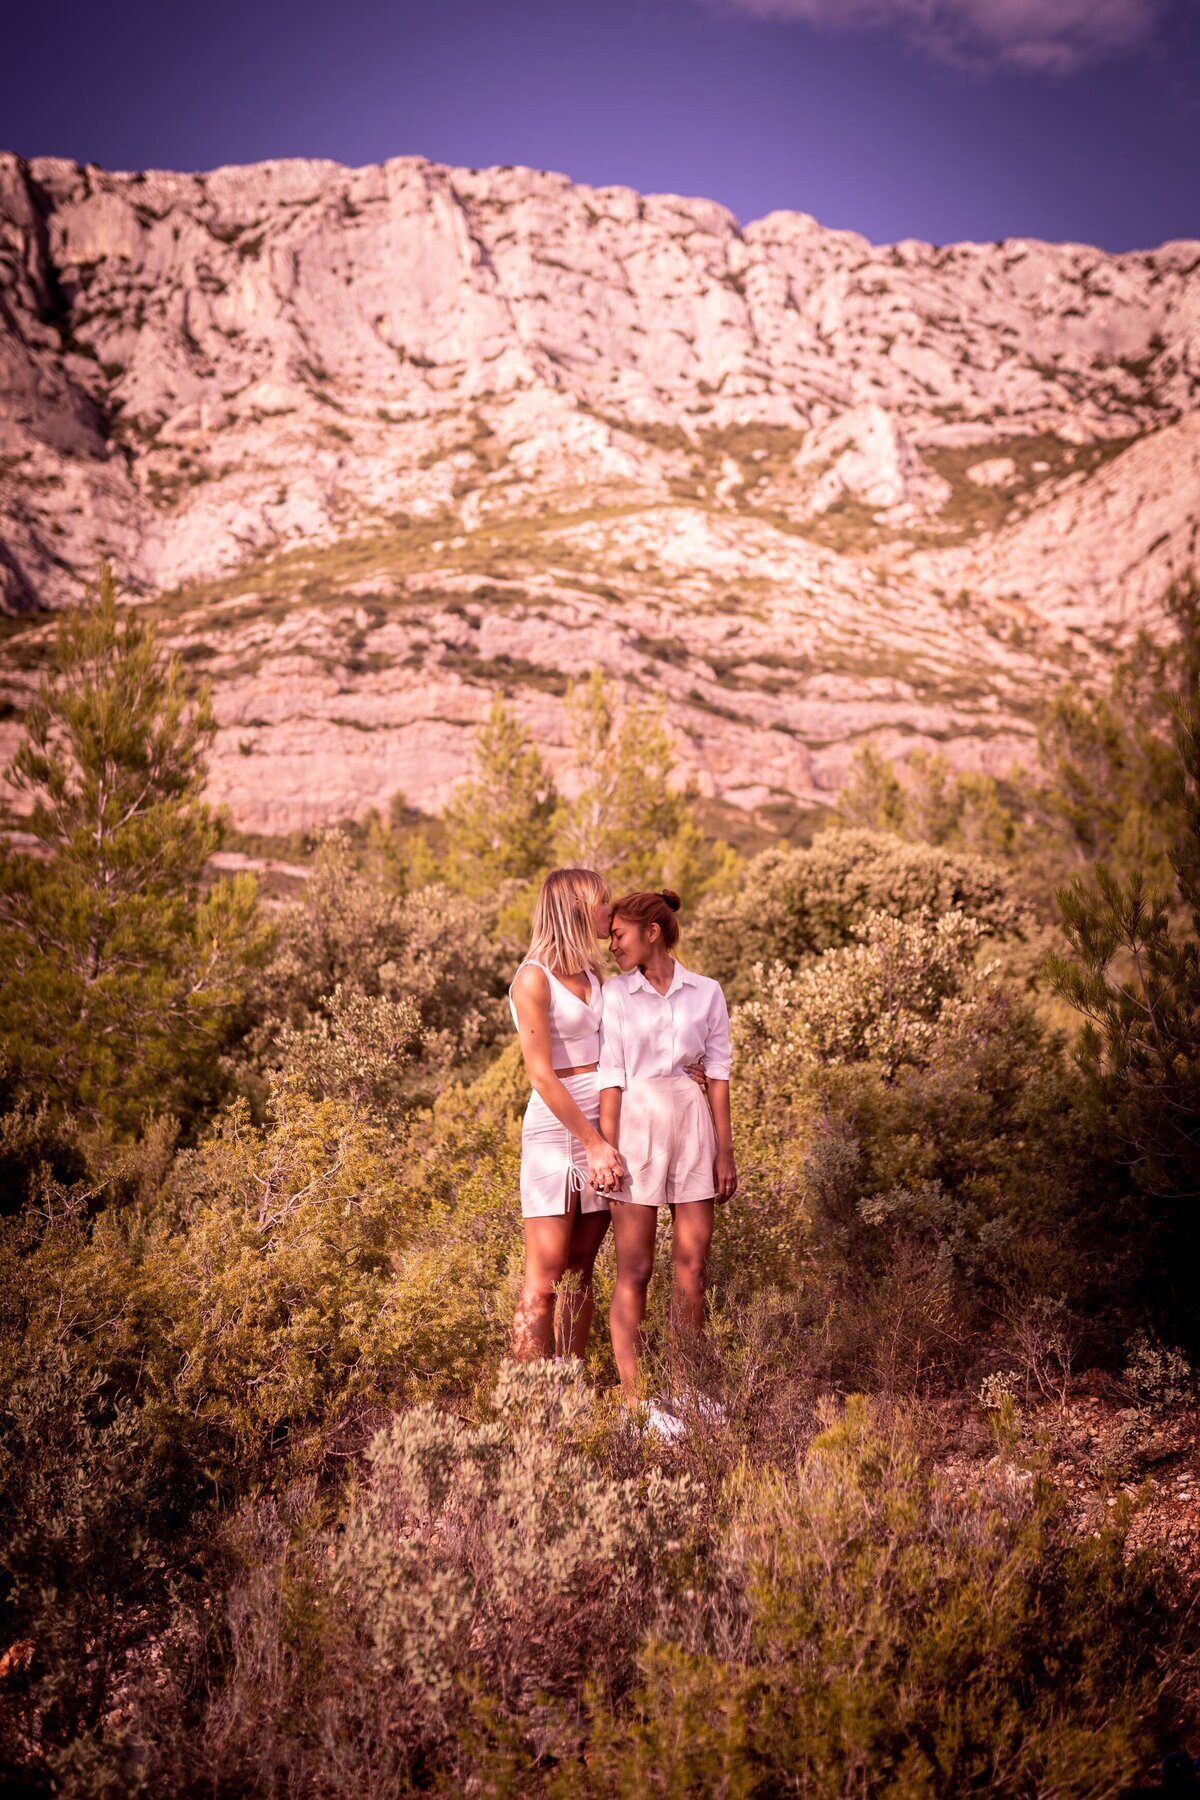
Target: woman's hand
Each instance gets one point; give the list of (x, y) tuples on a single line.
[(696, 1071), (605, 1168), (724, 1176)]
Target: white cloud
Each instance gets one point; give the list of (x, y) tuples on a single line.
[(1052, 36)]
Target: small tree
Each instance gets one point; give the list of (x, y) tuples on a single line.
[(1111, 791), (499, 823), (872, 795), (627, 819), (122, 973), (930, 804), (1134, 972)]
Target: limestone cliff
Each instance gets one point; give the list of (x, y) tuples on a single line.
[(379, 440)]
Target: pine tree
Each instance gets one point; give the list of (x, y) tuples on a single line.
[(872, 795), (122, 973), (627, 819), (1111, 790), (1134, 972), (931, 805), (499, 821)]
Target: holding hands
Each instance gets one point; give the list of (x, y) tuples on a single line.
[(605, 1169)]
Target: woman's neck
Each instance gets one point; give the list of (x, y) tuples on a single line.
[(659, 968)]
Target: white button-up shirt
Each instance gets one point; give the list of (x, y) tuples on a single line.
[(647, 1034)]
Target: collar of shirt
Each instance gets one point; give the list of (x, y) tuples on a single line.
[(681, 978)]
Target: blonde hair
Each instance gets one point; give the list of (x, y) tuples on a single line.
[(564, 934)]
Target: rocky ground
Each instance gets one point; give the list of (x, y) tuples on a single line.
[(377, 442), (1097, 1449)]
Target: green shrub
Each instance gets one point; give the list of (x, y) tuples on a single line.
[(893, 1106), (277, 1271), (81, 1506), (793, 904), (869, 1629), (322, 1264), (357, 1050), (432, 950), (487, 1578), (1132, 970), (37, 1145), (1161, 1377)]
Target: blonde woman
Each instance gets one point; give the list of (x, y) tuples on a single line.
[(568, 1169)]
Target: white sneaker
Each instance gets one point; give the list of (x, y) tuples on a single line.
[(664, 1422), (708, 1411)]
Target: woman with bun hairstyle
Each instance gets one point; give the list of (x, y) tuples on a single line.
[(676, 1146), (568, 1169)]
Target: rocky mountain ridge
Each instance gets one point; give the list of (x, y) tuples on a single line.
[(377, 441)]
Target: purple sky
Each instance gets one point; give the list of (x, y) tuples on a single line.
[(938, 119)]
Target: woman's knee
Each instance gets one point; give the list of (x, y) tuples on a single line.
[(633, 1273), (541, 1284), (690, 1264)]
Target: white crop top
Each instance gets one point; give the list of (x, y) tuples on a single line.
[(574, 1023)]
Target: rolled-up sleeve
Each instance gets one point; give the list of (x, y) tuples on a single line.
[(612, 1039), (718, 1048)]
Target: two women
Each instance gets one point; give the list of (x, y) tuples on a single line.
[(630, 1112)]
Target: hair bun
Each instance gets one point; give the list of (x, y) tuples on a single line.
[(672, 898)]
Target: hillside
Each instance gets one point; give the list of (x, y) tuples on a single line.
[(378, 441)]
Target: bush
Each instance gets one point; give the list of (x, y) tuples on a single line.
[(81, 1505), (36, 1145), (358, 1051), (487, 1579), (431, 950), (277, 1274), (1160, 1376), (893, 1108), (868, 1629), (1133, 972), (794, 904), (322, 1264)]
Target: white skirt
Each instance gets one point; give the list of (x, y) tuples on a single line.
[(553, 1161)]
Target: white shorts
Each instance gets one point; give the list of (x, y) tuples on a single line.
[(553, 1163), (667, 1141)]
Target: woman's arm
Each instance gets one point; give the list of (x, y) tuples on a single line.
[(718, 1052), (725, 1178), (610, 1113), (531, 998), (612, 1064)]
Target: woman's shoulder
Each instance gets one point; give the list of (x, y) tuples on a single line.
[(706, 984), (615, 984), (530, 979)]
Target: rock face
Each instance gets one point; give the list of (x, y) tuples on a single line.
[(378, 441)]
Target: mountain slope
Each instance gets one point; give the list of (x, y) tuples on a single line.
[(380, 440)]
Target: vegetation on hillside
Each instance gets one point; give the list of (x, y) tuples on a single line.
[(279, 1517)]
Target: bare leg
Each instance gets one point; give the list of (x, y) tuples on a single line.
[(633, 1235), (691, 1240), (547, 1249), (575, 1313)]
